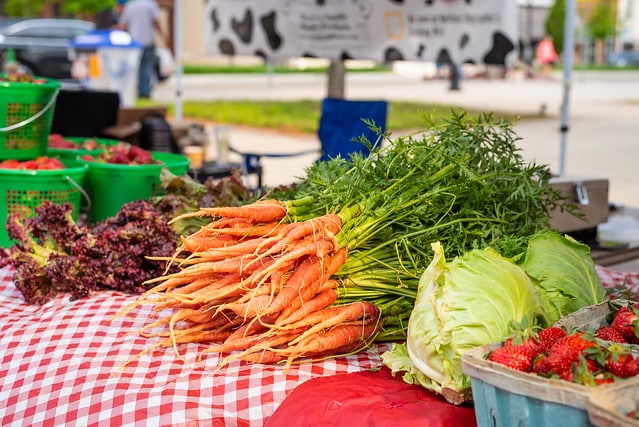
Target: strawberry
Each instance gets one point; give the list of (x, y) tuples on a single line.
[(119, 158), (569, 374), (526, 341), (631, 368), (578, 341), (616, 362), (548, 336), (604, 378), (139, 155), (625, 321), (541, 365), (560, 359), (582, 372), (10, 164), (90, 144), (591, 365), (566, 351), (519, 357), (608, 333), (29, 165)]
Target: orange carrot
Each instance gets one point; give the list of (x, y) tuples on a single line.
[(335, 338), (256, 344), (318, 302), (239, 343), (195, 243), (244, 247), (167, 284), (265, 289), (247, 329), (336, 261), (249, 309), (332, 316), (324, 226), (204, 294), (338, 340), (207, 336), (193, 315), (271, 356), (260, 211), (181, 295), (223, 223), (263, 356), (197, 284), (305, 293), (237, 264), (318, 249), (308, 271), (192, 337), (253, 230), (330, 265)]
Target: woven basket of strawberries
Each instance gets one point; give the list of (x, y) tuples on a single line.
[(548, 377)]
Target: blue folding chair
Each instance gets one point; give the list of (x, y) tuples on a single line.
[(341, 121)]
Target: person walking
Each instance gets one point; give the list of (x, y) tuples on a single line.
[(141, 19), (546, 55), (109, 17)]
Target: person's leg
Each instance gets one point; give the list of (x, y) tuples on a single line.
[(145, 74)]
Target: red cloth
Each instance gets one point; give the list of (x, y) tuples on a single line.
[(368, 398)]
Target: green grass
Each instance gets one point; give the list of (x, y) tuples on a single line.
[(303, 116), (263, 68), (284, 69), (297, 116)]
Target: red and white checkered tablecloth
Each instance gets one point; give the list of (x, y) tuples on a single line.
[(616, 279), (61, 364)]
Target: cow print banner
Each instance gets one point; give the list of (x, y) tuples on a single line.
[(462, 31)]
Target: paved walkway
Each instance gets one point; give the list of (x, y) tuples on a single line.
[(602, 140)]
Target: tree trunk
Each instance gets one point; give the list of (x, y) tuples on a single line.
[(599, 51), (336, 77)]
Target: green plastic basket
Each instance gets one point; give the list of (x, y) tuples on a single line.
[(26, 115), (22, 191), (110, 186), (72, 153), (176, 163)]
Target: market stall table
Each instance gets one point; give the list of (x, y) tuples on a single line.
[(65, 363), (216, 170)]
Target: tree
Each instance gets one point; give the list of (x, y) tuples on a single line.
[(77, 7), (68, 7), (23, 7), (602, 22), (554, 23)]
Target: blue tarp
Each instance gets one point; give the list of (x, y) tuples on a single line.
[(105, 38)]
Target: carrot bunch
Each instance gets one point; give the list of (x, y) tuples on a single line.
[(258, 288)]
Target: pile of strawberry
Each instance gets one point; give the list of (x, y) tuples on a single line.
[(582, 357), (39, 163), (56, 140), (122, 154)]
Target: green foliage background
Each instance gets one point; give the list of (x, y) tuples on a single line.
[(68, 7)]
